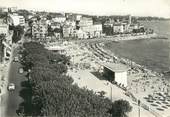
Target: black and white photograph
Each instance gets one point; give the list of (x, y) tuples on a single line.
[(84, 58)]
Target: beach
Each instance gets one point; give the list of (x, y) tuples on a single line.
[(83, 65), (145, 85)]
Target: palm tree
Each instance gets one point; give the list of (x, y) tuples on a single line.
[(2, 38)]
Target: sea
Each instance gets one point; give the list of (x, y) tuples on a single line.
[(154, 54)]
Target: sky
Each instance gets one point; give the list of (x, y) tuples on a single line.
[(160, 8)]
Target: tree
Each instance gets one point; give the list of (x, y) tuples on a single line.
[(120, 108), (18, 32), (30, 23), (53, 92), (2, 37)]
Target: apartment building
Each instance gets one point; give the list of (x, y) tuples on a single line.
[(16, 20), (4, 28), (59, 19), (39, 30), (68, 31), (5, 41), (118, 28), (84, 21), (92, 30)]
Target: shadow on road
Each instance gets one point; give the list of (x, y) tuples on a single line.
[(26, 93), (99, 75), (25, 84)]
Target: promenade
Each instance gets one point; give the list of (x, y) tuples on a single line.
[(85, 56), (83, 64), (4, 68), (149, 87)]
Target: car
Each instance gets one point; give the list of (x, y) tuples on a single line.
[(16, 59), (21, 70), (11, 87)]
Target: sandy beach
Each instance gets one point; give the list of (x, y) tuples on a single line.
[(149, 87), (84, 63), (145, 85)]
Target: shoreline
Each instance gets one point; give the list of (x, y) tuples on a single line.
[(146, 85), (124, 61), (83, 66), (125, 37), (114, 38), (142, 83)]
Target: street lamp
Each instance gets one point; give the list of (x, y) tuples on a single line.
[(111, 92), (139, 107)]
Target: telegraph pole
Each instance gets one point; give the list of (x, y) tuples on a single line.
[(111, 93), (139, 107)]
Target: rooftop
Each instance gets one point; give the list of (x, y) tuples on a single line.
[(55, 48), (115, 67)]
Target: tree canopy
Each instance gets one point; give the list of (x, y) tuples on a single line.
[(18, 32), (53, 92), (120, 108)]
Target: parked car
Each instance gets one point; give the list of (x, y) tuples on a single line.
[(21, 70), (16, 59), (11, 87)]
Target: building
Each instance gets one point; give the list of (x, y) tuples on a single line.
[(97, 30), (12, 9), (39, 30), (108, 29), (118, 28), (55, 25), (129, 19), (59, 19), (5, 41), (57, 35), (4, 28), (3, 9), (17, 20), (78, 17), (133, 27), (81, 34), (115, 73), (92, 30), (84, 21), (70, 23), (68, 31)]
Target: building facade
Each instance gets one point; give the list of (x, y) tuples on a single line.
[(39, 30), (17, 20), (115, 73), (118, 28), (92, 30), (68, 31), (59, 19), (84, 21), (5, 41), (4, 28)]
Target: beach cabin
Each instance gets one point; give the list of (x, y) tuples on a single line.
[(60, 50), (115, 73)]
